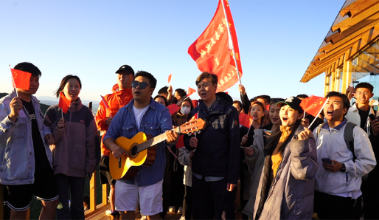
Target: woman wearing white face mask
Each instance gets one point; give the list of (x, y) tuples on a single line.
[(173, 188)]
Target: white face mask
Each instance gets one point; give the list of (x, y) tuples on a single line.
[(185, 110)]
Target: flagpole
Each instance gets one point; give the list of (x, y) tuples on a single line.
[(231, 41), (14, 84), (318, 113)]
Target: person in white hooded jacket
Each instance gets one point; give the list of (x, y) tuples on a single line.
[(338, 182)]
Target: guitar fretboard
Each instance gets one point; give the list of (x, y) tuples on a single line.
[(156, 140)]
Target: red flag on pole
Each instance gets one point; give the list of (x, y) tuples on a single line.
[(104, 102), (173, 108), (20, 79), (64, 103), (313, 104), (169, 78), (194, 117), (190, 91), (245, 120), (213, 50)]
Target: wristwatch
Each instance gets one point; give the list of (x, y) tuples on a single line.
[(343, 168)]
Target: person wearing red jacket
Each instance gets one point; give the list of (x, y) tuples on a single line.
[(121, 96)]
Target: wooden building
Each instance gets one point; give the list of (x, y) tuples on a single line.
[(350, 50)]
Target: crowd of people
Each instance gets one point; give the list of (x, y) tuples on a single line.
[(287, 164)]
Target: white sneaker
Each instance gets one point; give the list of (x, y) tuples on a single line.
[(143, 217), (108, 212), (180, 210), (171, 209), (182, 218)]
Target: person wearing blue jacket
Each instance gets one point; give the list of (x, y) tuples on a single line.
[(25, 157), (215, 162)]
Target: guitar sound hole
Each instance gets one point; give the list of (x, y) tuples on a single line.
[(133, 151)]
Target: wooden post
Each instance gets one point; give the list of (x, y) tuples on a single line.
[(92, 192), (105, 191), (327, 79), (346, 77), (337, 82), (333, 81)]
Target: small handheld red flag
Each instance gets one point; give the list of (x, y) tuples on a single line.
[(173, 108), (64, 103), (245, 120), (20, 79), (180, 142), (169, 78), (194, 117), (268, 107), (190, 91), (313, 104)]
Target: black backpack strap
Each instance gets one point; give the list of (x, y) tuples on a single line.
[(349, 138)]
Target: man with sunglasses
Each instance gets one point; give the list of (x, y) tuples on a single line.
[(121, 96), (142, 114)]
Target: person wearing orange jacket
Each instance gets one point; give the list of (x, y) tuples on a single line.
[(121, 96)]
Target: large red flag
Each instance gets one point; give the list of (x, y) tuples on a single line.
[(180, 142), (20, 79), (313, 104), (212, 51), (64, 103), (190, 91), (245, 120)]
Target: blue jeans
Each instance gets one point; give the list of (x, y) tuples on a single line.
[(75, 185)]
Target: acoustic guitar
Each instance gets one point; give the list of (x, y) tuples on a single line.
[(141, 150)]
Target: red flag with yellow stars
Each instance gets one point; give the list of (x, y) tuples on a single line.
[(313, 104), (20, 79), (212, 51), (245, 119)]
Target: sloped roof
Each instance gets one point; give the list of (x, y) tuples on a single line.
[(354, 29)]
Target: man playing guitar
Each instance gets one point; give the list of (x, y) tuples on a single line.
[(142, 114)]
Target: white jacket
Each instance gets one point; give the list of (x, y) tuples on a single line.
[(330, 143), (353, 116)]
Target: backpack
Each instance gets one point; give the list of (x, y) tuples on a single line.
[(349, 140)]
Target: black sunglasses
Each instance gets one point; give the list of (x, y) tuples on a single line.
[(142, 85)]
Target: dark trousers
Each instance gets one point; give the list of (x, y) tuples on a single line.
[(336, 207), (187, 203), (370, 190), (211, 200), (75, 185)]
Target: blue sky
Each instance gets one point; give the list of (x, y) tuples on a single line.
[(92, 39)]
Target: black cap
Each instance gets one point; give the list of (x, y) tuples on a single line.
[(293, 102), (125, 69)]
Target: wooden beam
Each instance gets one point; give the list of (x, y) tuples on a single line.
[(357, 7), (347, 23), (105, 194), (327, 79), (347, 69), (92, 191)]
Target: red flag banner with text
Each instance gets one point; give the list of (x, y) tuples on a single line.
[(20, 79), (64, 103), (212, 51), (313, 104), (245, 120)]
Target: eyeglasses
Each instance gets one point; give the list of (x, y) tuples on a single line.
[(142, 85)]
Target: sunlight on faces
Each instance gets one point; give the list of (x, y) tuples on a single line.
[(34, 85), (206, 90), (274, 114), (177, 96), (142, 94), (333, 110), (160, 100), (123, 80), (256, 112), (72, 89), (363, 95), (237, 106), (289, 116)]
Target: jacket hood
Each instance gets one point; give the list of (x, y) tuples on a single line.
[(225, 97)]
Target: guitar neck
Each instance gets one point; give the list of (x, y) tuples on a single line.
[(154, 141)]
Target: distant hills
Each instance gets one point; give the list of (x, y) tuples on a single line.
[(47, 101)]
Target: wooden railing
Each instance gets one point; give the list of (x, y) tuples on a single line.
[(94, 208)]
